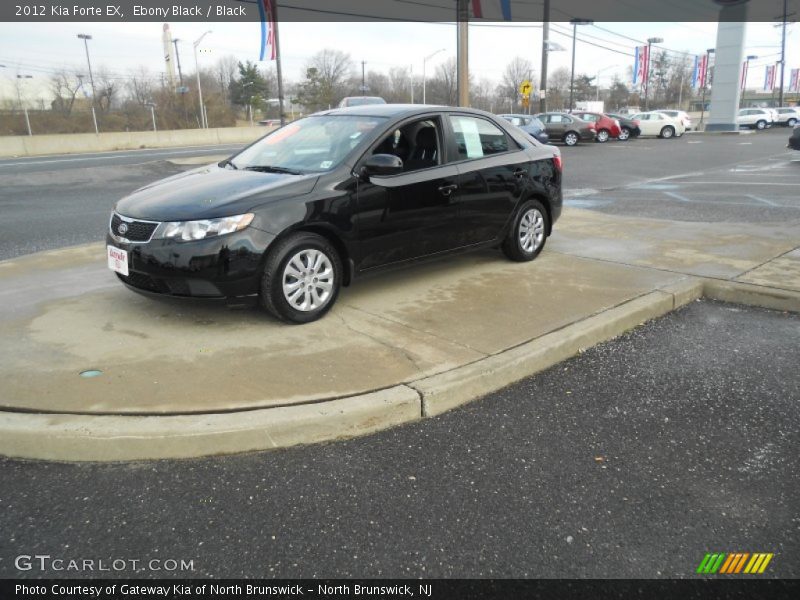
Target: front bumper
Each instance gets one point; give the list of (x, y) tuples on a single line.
[(221, 267)]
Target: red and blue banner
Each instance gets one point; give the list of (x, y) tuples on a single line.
[(268, 46), (769, 78), (641, 65), (794, 81), (700, 72), (491, 6)]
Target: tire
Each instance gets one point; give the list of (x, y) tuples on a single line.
[(602, 136), (791, 122), (667, 132), (761, 124), (318, 267), (571, 138), (528, 234), (624, 134)]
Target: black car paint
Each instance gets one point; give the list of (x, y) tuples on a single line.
[(374, 224), (794, 139)]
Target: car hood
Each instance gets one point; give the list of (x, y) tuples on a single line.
[(210, 192)]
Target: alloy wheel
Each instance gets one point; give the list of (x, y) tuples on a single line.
[(308, 280), (531, 230)]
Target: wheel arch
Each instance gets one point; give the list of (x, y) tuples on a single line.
[(333, 238)]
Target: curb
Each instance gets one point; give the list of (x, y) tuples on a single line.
[(113, 438), (127, 438)]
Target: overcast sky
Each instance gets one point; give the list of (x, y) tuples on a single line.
[(38, 49)]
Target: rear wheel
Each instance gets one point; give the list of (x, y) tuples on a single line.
[(667, 132), (761, 124), (528, 232), (571, 138), (624, 134), (791, 122), (301, 278), (603, 135)]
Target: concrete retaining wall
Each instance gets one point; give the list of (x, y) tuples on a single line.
[(72, 143)]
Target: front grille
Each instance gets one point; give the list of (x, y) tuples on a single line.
[(137, 231), (144, 282)]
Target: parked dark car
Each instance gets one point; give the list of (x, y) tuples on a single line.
[(629, 128), (360, 101), (530, 125), (567, 128), (333, 196), (794, 139)]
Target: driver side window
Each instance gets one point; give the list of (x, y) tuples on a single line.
[(416, 144)]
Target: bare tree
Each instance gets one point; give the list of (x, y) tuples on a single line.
[(518, 70), (328, 69), (442, 88), (106, 88), (140, 86), (400, 85), (226, 70), (65, 87)]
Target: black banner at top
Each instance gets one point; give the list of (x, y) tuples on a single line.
[(393, 10), (400, 589)]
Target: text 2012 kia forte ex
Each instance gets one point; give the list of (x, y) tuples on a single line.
[(315, 204)]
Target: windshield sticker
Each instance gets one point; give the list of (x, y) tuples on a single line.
[(356, 135), (325, 164)]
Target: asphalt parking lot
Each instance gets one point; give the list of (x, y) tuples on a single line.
[(53, 202), (629, 461)]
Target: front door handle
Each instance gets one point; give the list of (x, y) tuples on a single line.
[(446, 190), (520, 173)]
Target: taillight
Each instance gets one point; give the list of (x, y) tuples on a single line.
[(558, 162)]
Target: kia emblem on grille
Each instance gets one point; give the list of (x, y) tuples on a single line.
[(122, 229)]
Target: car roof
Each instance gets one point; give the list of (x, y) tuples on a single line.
[(399, 110)]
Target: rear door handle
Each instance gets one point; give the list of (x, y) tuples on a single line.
[(446, 190)]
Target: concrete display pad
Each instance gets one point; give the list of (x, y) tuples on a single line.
[(189, 379)]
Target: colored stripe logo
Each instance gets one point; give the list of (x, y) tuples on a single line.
[(733, 563)]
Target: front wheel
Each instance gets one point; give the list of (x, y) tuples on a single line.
[(603, 135), (528, 232), (761, 125), (301, 278), (667, 132), (624, 134), (571, 138), (791, 122)]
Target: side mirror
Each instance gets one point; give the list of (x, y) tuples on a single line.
[(382, 165)]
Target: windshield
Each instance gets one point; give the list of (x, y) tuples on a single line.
[(309, 145)]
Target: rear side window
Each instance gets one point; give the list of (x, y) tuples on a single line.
[(476, 137)]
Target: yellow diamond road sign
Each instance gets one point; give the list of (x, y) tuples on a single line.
[(525, 88)]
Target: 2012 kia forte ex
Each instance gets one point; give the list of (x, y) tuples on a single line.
[(330, 197)]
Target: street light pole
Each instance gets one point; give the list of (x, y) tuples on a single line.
[(574, 23), (24, 109), (783, 52), (746, 72), (86, 39), (424, 61), (650, 42), (203, 119)]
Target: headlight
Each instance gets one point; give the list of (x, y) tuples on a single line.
[(197, 230)]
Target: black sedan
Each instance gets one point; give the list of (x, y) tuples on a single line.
[(567, 128), (628, 127), (530, 125), (794, 139), (326, 199)]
